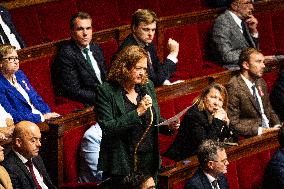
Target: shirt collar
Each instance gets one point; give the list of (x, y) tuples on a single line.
[(139, 42), (236, 19), (81, 48), (22, 158), (210, 178), (248, 82)]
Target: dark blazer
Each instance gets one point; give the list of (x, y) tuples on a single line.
[(160, 72), (20, 176), (73, 77), (274, 173), (14, 102), (277, 96), (229, 41), (242, 109), (8, 20), (195, 127), (200, 181), (116, 124)]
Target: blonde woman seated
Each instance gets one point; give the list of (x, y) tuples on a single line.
[(17, 95), (206, 119)]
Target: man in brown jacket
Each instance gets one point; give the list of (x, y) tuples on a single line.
[(249, 108)]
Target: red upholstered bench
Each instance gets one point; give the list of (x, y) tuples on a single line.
[(126, 9), (28, 25), (278, 29), (38, 73), (170, 7), (192, 39), (265, 29), (104, 13), (109, 48), (71, 146), (54, 19)]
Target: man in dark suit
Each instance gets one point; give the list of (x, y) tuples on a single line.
[(249, 108), (23, 162), (143, 27), (274, 173), (79, 66), (213, 165), (77, 71), (233, 31), (8, 32)]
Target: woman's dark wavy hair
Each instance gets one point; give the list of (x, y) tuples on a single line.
[(123, 64)]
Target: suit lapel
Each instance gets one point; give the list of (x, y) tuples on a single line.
[(205, 182), (22, 166), (245, 91), (118, 96), (83, 62), (40, 167), (12, 90), (260, 89), (249, 36), (236, 30), (98, 57)]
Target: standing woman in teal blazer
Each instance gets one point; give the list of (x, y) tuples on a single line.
[(127, 110)]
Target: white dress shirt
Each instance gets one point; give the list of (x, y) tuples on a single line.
[(211, 179), (94, 63), (26, 96), (265, 121), (39, 178), (3, 116)]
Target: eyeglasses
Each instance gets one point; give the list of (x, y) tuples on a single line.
[(222, 161), (11, 59)]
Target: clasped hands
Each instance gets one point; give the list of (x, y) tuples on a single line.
[(144, 104), (221, 114)]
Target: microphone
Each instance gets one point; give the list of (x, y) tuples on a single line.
[(143, 90)]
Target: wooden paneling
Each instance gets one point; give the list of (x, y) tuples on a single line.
[(11, 4), (181, 171)]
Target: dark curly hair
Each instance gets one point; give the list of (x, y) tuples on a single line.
[(124, 62)]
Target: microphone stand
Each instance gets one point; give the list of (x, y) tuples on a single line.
[(144, 92)]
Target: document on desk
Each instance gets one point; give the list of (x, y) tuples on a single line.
[(174, 118)]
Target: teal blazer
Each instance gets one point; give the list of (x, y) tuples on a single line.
[(115, 157)]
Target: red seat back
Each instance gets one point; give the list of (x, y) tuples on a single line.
[(170, 7), (278, 29), (267, 42), (28, 25), (71, 146), (54, 19), (38, 73), (104, 13), (109, 48), (251, 170), (189, 59), (126, 9)]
